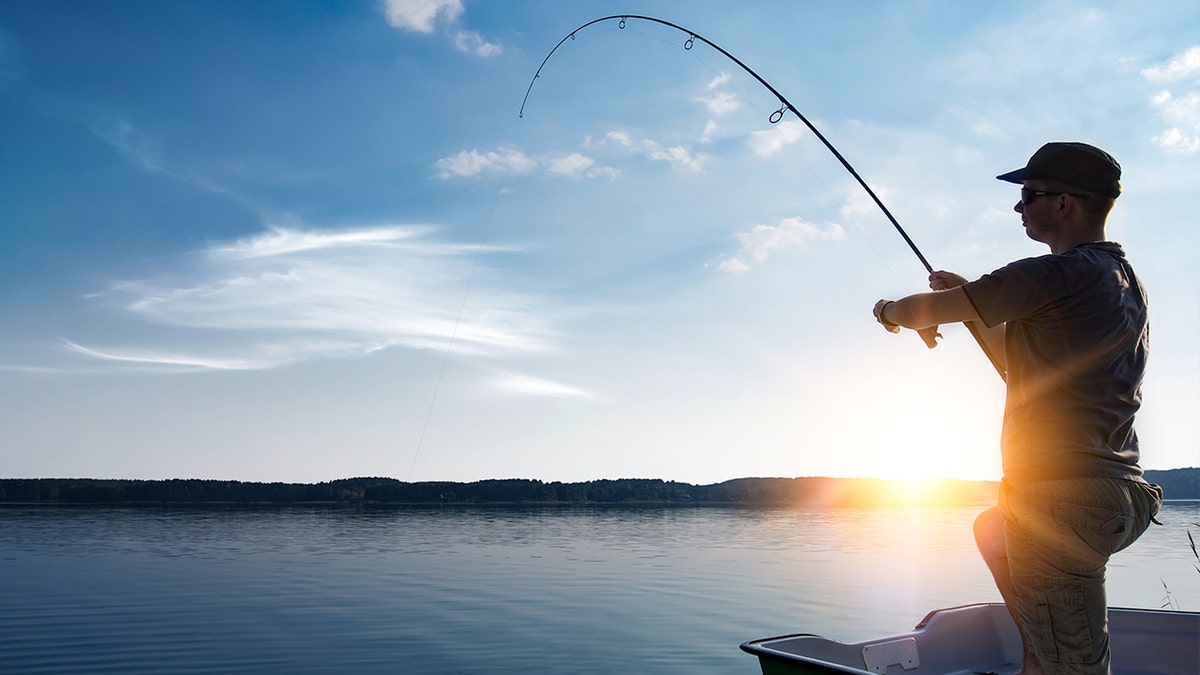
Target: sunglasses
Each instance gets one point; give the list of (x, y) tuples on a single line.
[(1029, 194)]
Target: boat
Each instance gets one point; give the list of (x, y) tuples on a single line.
[(981, 639)]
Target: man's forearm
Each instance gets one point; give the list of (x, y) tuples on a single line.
[(928, 310), (925, 310)]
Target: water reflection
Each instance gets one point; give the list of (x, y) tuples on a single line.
[(483, 589)]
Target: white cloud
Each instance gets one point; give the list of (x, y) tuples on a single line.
[(508, 160), (504, 160), (425, 16), (720, 104), (779, 136), (292, 295), (717, 103), (620, 138), (472, 162), (175, 362), (1180, 67), (420, 16), (1183, 114), (1175, 139), (473, 43), (719, 81), (573, 165), (857, 203), (604, 172), (759, 242), (678, 156), (281, 241), (535, 386), (1180, 111)]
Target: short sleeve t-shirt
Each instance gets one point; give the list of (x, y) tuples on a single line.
[(1076, 341)]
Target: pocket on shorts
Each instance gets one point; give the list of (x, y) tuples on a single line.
[(1093, 518), (1153, 494), (1104, 530), (1064, 630)]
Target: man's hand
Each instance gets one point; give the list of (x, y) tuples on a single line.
[(878, 312), (930, 336), (944, 281)]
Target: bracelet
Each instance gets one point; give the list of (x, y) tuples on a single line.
[(883, 319)]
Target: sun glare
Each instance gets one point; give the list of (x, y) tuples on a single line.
[(917, 490), (900, 436), (935, 491)]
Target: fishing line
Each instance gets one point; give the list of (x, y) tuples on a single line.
[(775, 117), (437, 387), (794, 148)]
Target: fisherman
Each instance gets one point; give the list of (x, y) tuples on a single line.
[(1070, 332)]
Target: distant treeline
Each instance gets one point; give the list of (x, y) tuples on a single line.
[(1177, 484)]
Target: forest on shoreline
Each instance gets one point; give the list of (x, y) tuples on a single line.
[(814, 491)]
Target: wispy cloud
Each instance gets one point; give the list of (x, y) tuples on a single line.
[(759, 242), (770, 141), (678, 156), (473, 43), (129, 141), (507, 160), (426, 16), (1180, 110), (281, 241), (473, 162), (1180, 67), (141, 149), (528, 385), (173, 361), (290, 295), (573, 165), (421, 16), (510, 161), (716, 100)]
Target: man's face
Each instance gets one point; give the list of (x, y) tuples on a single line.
[(1037, 211)]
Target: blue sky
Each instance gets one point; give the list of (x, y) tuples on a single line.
[(300, 241)]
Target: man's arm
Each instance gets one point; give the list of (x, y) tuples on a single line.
[(922, 311), (926, 310)]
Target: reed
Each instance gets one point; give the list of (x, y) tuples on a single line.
[(1192, 543), (1169, 601)]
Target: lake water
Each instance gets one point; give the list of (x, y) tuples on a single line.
[(493, 589)]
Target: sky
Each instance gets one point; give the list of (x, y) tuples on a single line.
[(302, 241)]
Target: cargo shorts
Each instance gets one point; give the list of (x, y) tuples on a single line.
[(1059, 535)]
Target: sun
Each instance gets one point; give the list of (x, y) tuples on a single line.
[(929, 427), (916, 491)]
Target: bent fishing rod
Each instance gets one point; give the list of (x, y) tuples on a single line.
[(786, 106)]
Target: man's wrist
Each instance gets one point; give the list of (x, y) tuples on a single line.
[(883, 315), (883, 321)]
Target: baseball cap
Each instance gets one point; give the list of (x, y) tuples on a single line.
[(1076, 164)]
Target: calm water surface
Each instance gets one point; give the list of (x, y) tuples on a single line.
[(493, 590)]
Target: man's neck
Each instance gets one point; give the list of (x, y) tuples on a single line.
[(1068, 242)]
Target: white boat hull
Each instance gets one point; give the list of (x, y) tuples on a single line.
[(982, 640)]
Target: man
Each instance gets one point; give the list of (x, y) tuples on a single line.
[(1070, 331)]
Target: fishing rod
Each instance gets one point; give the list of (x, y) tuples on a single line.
[(786, 106)]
